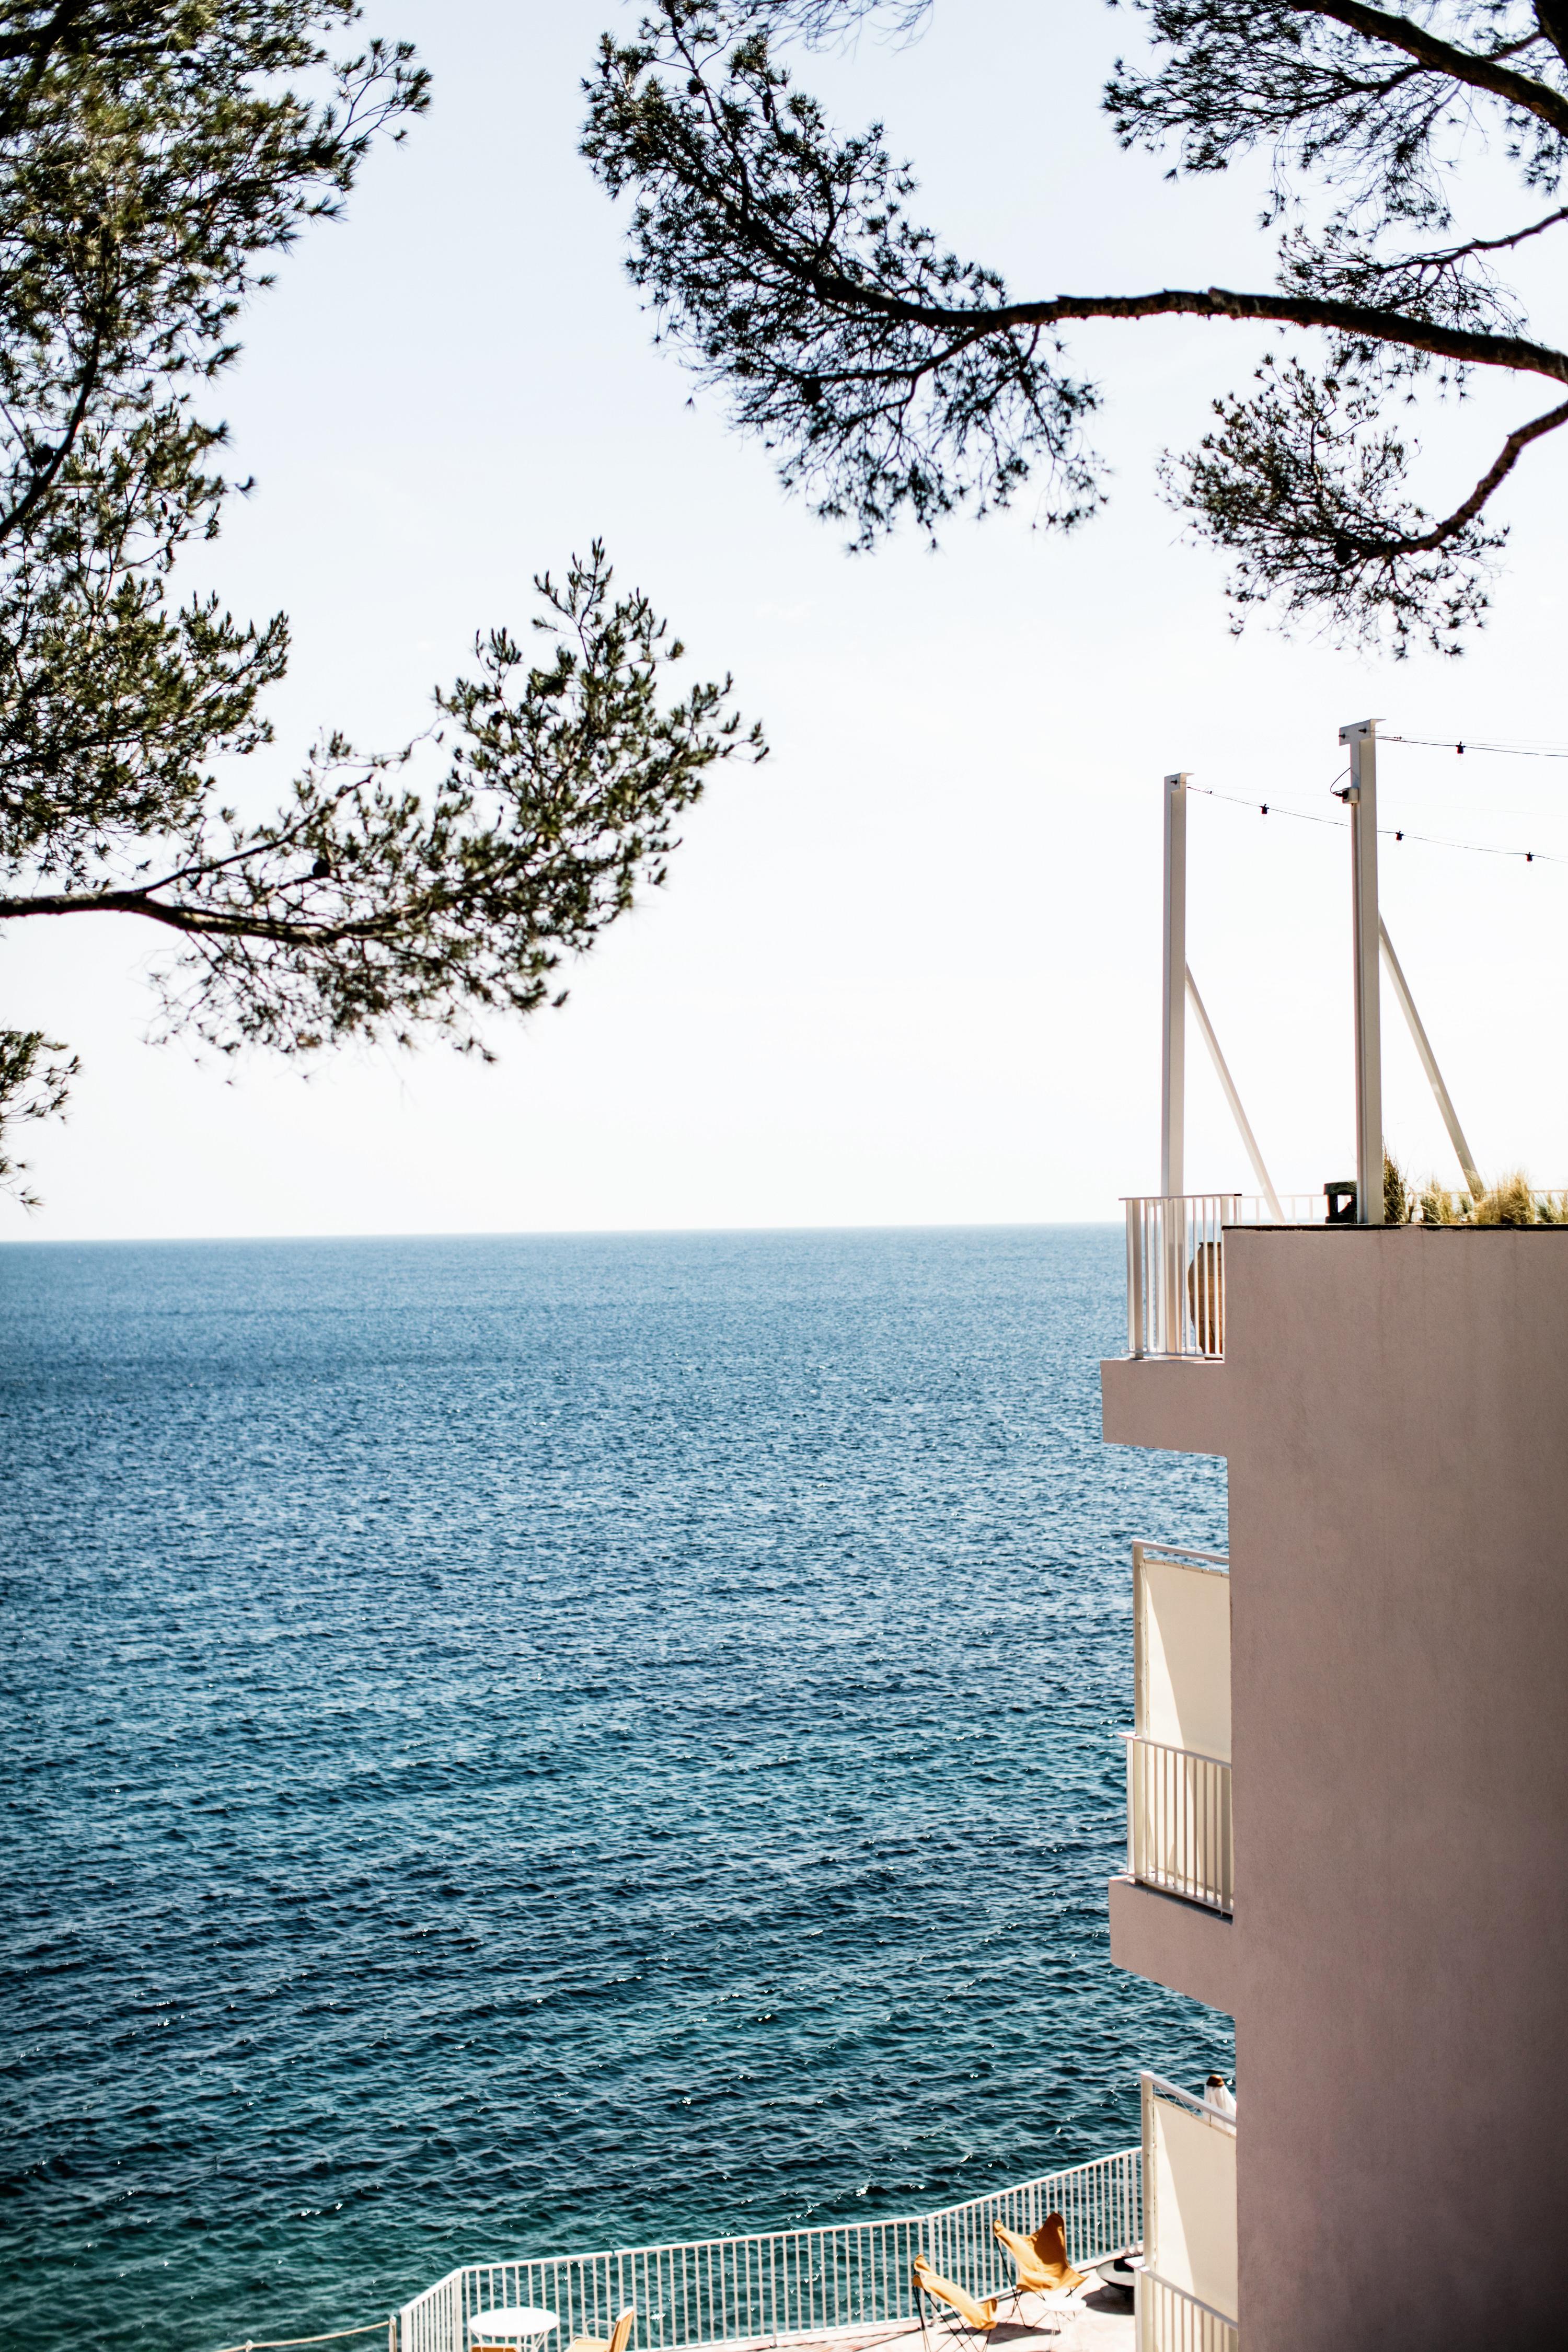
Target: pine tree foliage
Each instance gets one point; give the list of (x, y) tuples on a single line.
[(895, 378), (36, 1073), (157, 157)]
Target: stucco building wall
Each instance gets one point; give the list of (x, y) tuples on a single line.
[(1393, 1405)]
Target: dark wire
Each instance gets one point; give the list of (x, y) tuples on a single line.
[(1510, 751), (1389, 832)]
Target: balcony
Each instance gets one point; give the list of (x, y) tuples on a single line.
[(1175, 1265), (1187, 2295), (838, 2288), (1179, 1836)]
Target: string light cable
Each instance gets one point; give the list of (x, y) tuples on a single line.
[(1507, 750), (1387, 832)]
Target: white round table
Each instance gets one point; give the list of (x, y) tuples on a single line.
[(517, 2324)]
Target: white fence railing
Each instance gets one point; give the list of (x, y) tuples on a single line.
[(784, 2282), (1170, 2320), (1178, 1835), (1175, 1265)]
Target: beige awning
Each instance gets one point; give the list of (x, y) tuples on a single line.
[(1189, 2192), (1183, 1653)]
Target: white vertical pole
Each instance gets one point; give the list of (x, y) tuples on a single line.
[(1173, 994), (1362, 739)]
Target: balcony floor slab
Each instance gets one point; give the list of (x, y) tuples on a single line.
[(1181, 1405), (1193, 1950), (1092, 2319)]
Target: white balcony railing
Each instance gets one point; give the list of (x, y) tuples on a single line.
[(1178, 1835), (1175, 1265), (1169, 2320), (785, 2283)]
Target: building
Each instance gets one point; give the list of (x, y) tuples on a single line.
[(1347, 1788)]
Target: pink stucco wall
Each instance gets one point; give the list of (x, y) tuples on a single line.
[(1394, 1404)]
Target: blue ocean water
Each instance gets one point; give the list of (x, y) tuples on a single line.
[(525, 1745)]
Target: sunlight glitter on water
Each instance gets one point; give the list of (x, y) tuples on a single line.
[(520, 1744)]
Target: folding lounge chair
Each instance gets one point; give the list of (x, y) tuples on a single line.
[(619, 2336), (1040, 2262), (963, 2315)]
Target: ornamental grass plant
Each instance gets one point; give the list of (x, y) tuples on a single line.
[(1510, 1201), (1398, 1200)]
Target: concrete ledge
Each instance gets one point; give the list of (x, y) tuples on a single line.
[(1178, 1944), (1163, 1401)]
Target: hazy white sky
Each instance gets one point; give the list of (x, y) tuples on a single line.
[(907, 971)]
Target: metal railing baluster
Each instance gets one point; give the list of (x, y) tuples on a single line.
[(1179, 1834)]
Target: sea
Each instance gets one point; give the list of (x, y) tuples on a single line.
[(526, 1745)]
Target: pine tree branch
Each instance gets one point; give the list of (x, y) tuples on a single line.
[(210, 921), (1454, 525), (45, 476), (1440, 56), (1467, 346)]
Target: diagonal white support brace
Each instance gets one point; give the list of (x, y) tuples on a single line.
[(1429, 1064), (1265, 1181)]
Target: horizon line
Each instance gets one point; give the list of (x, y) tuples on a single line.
[(557, 1232)]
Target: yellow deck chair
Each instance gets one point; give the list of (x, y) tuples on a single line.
[(930, 2286), (619, 2336), (1041, 2262)]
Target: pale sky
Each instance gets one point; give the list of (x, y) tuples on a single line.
[(907, 972)]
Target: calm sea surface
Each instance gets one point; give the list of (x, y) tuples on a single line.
[(528, 1745)]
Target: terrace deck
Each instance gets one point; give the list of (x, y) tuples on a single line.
[(1094, 2319)]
